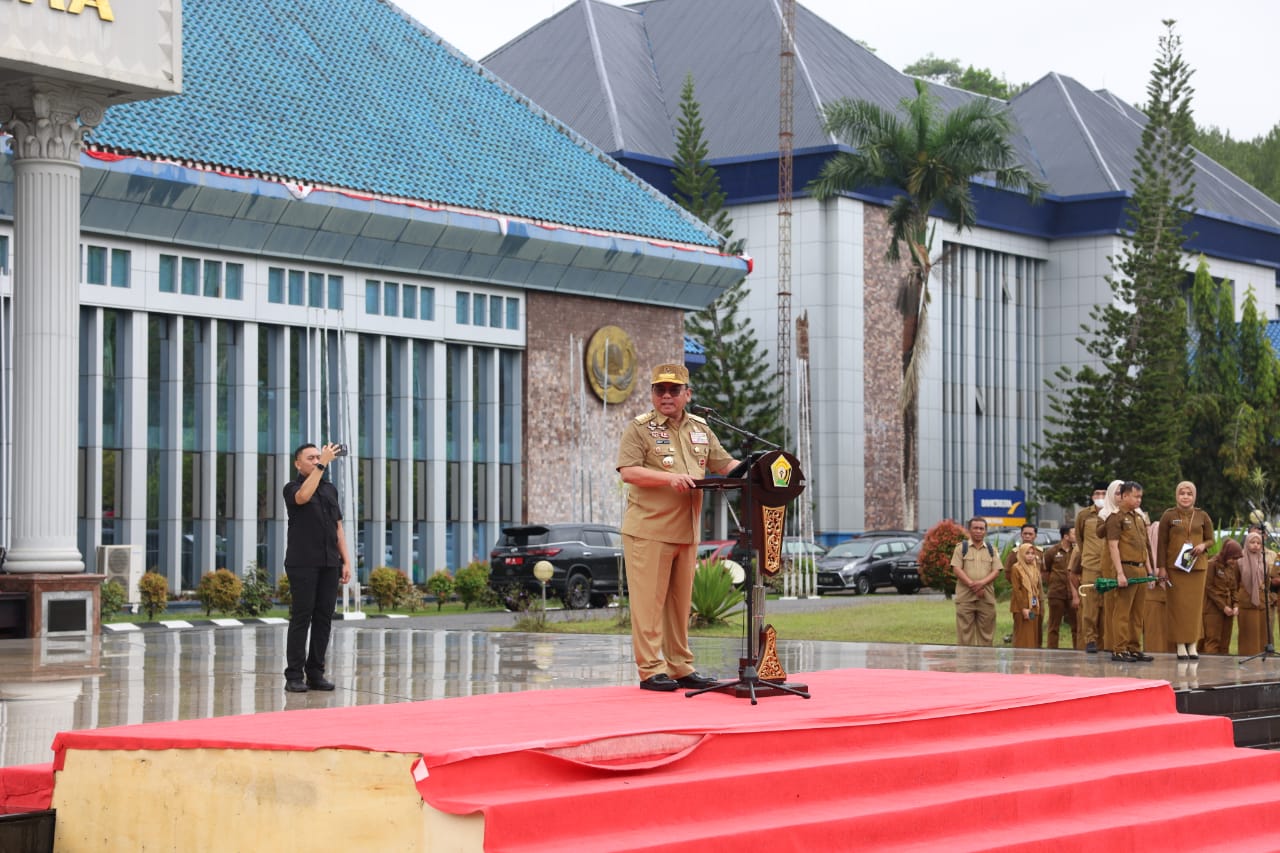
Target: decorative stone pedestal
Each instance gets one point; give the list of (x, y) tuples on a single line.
[(58, 604)]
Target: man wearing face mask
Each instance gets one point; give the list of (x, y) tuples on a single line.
[(1086, 564)]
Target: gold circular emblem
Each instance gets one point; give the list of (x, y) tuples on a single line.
[(611, 364)]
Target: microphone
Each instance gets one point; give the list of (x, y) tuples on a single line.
[(700, 410)]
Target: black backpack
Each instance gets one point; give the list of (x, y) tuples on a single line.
[(964, 549)]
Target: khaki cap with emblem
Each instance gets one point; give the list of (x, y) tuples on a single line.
[(670, 373)]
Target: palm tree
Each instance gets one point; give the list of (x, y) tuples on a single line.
[(930, 158)]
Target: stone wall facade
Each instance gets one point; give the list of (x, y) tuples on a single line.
[(570, 435), (882, 371)]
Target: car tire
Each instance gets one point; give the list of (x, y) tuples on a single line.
[(577, 592), (863, 585)]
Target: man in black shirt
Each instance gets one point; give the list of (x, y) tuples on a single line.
[(314, 559)]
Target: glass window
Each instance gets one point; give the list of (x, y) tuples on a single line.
[(410, 302), (390, 304), (191, 276), (427, 303), (4, 254), (372, 293), (297, 279), (212, 278), (235, 281), (120, 262), (315, 290), (168, 273), (513, 313), (477, 309), (464, 308), (95, 268), (495, 311), (335, 292), (275, 285)]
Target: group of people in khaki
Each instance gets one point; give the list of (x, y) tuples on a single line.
[(1170, 596)]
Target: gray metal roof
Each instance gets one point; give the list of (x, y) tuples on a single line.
[(614, 74)]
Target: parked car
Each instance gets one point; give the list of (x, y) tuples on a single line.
[(862, 565), (586, 560), (724, 551), (905, 573), (1003, 538)]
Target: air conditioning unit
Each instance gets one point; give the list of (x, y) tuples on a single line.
[(122, 564)]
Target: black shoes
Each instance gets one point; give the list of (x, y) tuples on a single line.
[(295, 686), (320, 683), (694, 681), (1091, 648), (661, 682), (1131, 657)]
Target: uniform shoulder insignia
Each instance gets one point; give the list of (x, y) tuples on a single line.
[(694, 417), (645, 418)]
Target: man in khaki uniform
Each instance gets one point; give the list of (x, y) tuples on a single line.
[(1126, 533), (1086, 565), (661, 453), (1061, 594), (976, 566)]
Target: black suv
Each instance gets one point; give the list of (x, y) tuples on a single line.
[(585, 558)]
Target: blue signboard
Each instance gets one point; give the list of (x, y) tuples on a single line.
[(1001, 507)]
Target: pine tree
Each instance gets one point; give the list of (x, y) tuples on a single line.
[(1126, 412), (736, 380)]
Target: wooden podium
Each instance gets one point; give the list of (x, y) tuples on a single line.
[(769, 482)]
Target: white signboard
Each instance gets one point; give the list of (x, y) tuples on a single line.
[(132, 48)]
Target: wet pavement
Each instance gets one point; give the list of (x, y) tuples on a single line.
[(190, 673)]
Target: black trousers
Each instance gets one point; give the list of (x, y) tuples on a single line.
[(314, 593)]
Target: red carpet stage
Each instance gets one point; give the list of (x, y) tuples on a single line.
[(877, 759)]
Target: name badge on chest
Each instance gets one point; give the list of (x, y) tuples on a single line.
[(698, 437)]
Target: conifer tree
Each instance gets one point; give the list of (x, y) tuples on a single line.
[(1126, 411), (736, 380)]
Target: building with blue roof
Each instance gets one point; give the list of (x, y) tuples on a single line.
[(343, 229), (1010, 298)]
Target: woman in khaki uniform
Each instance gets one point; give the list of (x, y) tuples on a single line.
[(1184, 524), (1220, 599), (1027, 597), (1249, 596)]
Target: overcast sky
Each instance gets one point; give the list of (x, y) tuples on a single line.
[(1108, 44)]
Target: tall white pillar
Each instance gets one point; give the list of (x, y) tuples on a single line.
[(48, 122)]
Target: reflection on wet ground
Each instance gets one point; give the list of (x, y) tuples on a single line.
[(146, 676)]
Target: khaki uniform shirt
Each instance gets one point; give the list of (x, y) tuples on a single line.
[(1056, 560), (1130, 532), (977, 564), (651, 441), (1091, 547)]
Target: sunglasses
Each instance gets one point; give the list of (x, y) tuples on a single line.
[(662, 389)]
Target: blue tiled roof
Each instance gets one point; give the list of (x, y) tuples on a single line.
[(365, 98)]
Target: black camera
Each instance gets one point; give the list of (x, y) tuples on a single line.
[(342, 450)]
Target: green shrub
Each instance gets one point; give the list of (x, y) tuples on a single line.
[(389, 587), (472, 584), (283, 593), (220, 591), (113, 596), (714, 595), (935, 556), (255, 593), (153, 590), (440, 585)]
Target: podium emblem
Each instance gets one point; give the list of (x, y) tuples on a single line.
[(781, 471)]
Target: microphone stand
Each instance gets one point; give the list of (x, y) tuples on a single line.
[(750, 682), (1269, 650)]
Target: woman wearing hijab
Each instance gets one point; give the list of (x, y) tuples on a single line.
[(1185, 534), (1026, 597), (1249, 596), (1110, 506), (1220, 599)]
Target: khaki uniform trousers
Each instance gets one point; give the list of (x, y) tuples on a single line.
[(1061, 612), (976, 617), (659, 589), (1218, 628), (1092, 625)]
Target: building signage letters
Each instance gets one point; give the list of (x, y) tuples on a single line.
[(76, 7)]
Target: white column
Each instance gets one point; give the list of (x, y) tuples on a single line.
[(244, 445), (48, 122)]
